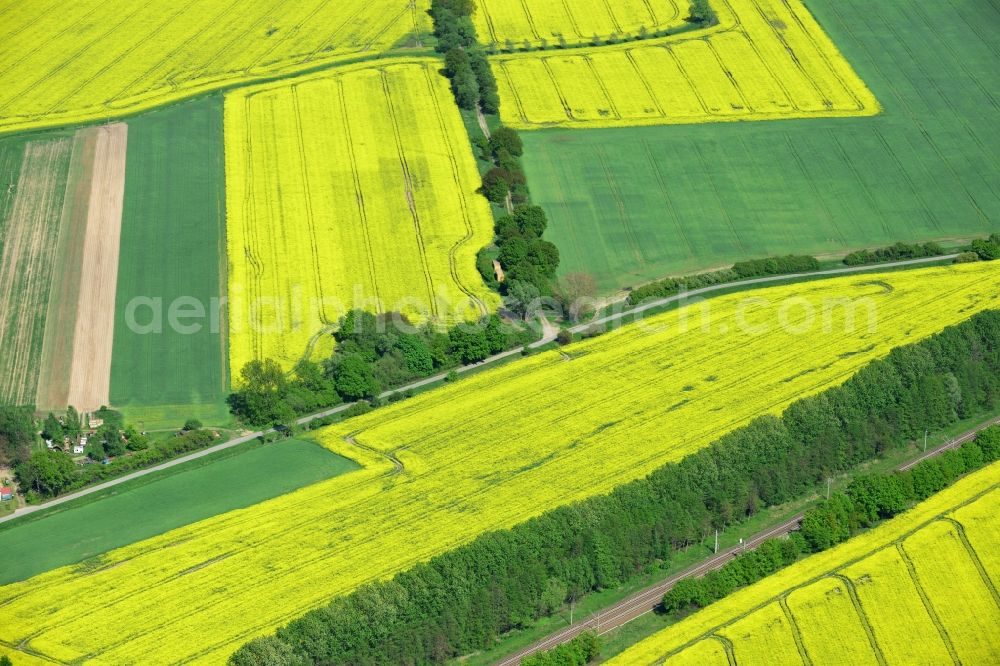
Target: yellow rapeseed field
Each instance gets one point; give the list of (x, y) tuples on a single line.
[(484, 453), (765, 59), (21, 659), (502, 23), (64, 63), (353, 188), (920, 589)]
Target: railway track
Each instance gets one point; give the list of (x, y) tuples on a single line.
[(646, 600)]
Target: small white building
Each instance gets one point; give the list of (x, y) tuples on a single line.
[(80, 446), (49, 444)]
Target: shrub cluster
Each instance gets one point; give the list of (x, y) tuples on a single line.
[(504, 148), (463, 600), (745, 569), (897, 252), (701, 12), (580, 651), (739, 271), (987, 249)]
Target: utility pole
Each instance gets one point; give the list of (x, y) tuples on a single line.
[(571, 605), (829, 480), (716, 539), (925, 441)]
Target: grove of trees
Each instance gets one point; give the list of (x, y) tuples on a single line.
[(17, 434), (372, 355)]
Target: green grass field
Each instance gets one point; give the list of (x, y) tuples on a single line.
[(631, 205), (172, 417), (153, 505), (172, 248)]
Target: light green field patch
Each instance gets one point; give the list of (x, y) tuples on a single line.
[(161, 502), (172, 417)]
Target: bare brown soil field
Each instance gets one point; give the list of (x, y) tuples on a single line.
[(90, 379)]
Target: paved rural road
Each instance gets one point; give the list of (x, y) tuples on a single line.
[(549, 337), (645, 601)]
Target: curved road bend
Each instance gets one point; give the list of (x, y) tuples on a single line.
[(645, 601), (549, 337)]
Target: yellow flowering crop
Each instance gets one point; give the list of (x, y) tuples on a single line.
[(914, 590), (765, 59), (484, 453), (553, 22), (353, 188), (762, 637), (65, 63), (21, 659)]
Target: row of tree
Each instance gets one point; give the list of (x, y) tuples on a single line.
[(871, 499), (525, 257), (770, 556), (981, 249), (463, 600), (528, 260), (897, 252), (373, 354), (466, 66), (739, 271), (866, 501)]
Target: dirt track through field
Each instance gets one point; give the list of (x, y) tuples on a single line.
[(31, 235), (56, 361), (90, 379)]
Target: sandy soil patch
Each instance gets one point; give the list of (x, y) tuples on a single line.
[(90, 378)]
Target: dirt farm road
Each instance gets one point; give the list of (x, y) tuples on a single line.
[(550, 336)]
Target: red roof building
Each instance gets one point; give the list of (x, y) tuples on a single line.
[(6, 493)]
